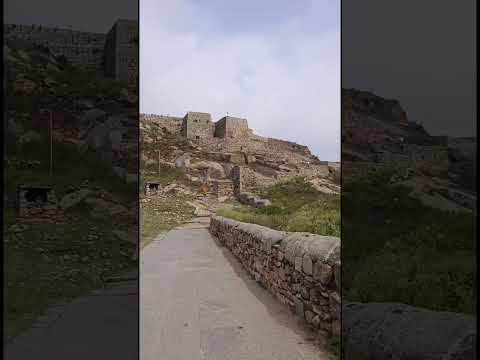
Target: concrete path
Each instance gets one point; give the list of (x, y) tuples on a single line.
[(102, 325), (197, 303)]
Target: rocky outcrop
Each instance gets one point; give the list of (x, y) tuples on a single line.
[(396, 331), (252, 200), (302, 270)]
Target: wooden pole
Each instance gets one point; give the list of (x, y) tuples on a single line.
[(158, 162), (51, 145)]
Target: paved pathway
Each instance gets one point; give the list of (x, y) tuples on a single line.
[(102, 325), (197, 303)]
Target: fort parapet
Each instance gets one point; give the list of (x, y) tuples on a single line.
[(115, 53), (227, 135)]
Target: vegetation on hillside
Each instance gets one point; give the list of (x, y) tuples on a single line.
[(430, 254), (295, 206), (162, 213)]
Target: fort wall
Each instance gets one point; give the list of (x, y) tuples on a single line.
[(82, 49), (231, 127), (171, 124), (115, 53)]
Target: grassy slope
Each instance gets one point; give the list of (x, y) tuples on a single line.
[(158, 215), (296, 206), (429, 253)]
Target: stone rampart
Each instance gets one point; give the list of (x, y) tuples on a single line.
[(115, 53), (302, 270), (171, 124), (84, 49)]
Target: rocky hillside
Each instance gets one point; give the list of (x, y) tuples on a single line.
[(94, 179), (408, 209), (158, 144), (378, 139)]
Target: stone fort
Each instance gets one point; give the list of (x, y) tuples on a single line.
[(228, 134), (114, 53)]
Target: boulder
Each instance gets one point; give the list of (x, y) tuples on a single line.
[(215, 170), (31, 137), (183, 161), (74, 198)]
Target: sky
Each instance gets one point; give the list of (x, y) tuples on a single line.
[(421, 53), (276, 63), (84, 15)]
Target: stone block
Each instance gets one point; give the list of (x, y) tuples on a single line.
[(307, 264)]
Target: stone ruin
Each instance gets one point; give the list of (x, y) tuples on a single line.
[(234, 160), (221, 188), (114, 53), (152, 188), (36, 201), (228, 135)]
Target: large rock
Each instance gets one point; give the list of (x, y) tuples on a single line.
[(93, 115), (215, 170), (31, 137), (396, 331), (183, 161), (97, 137), (115, 139), (74, 198)]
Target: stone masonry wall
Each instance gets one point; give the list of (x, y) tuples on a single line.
[(222, 187), (170, 123), (231, 127), (115, 53), (121, 52), (84, 49), (36, 208), (197, 126), (302, 270)]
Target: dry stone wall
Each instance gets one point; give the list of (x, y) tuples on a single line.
[(34, 201), (222, 187), (302, 270)]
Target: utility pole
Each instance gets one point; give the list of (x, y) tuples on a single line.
[(50, 125), (51, 145), (158, 162)]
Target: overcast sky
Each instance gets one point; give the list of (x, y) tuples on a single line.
[(274, 62), (419, 52), (84, 15)]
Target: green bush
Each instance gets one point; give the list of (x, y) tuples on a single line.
[(296, 206), (396, 249)]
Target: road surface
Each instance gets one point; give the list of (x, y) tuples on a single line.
[(102, 325), (197, 303)]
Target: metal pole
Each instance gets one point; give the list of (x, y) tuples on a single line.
[(51, 144)]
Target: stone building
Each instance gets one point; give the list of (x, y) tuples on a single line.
[(152, 188), (121, 52), (198, 125), (36, 201), (231, 127), (222, 187)]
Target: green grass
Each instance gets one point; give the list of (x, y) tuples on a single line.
[(168, 175), (296, 206), (396, 249), (160, 215)]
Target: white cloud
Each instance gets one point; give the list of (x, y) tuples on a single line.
[(286, 80)]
